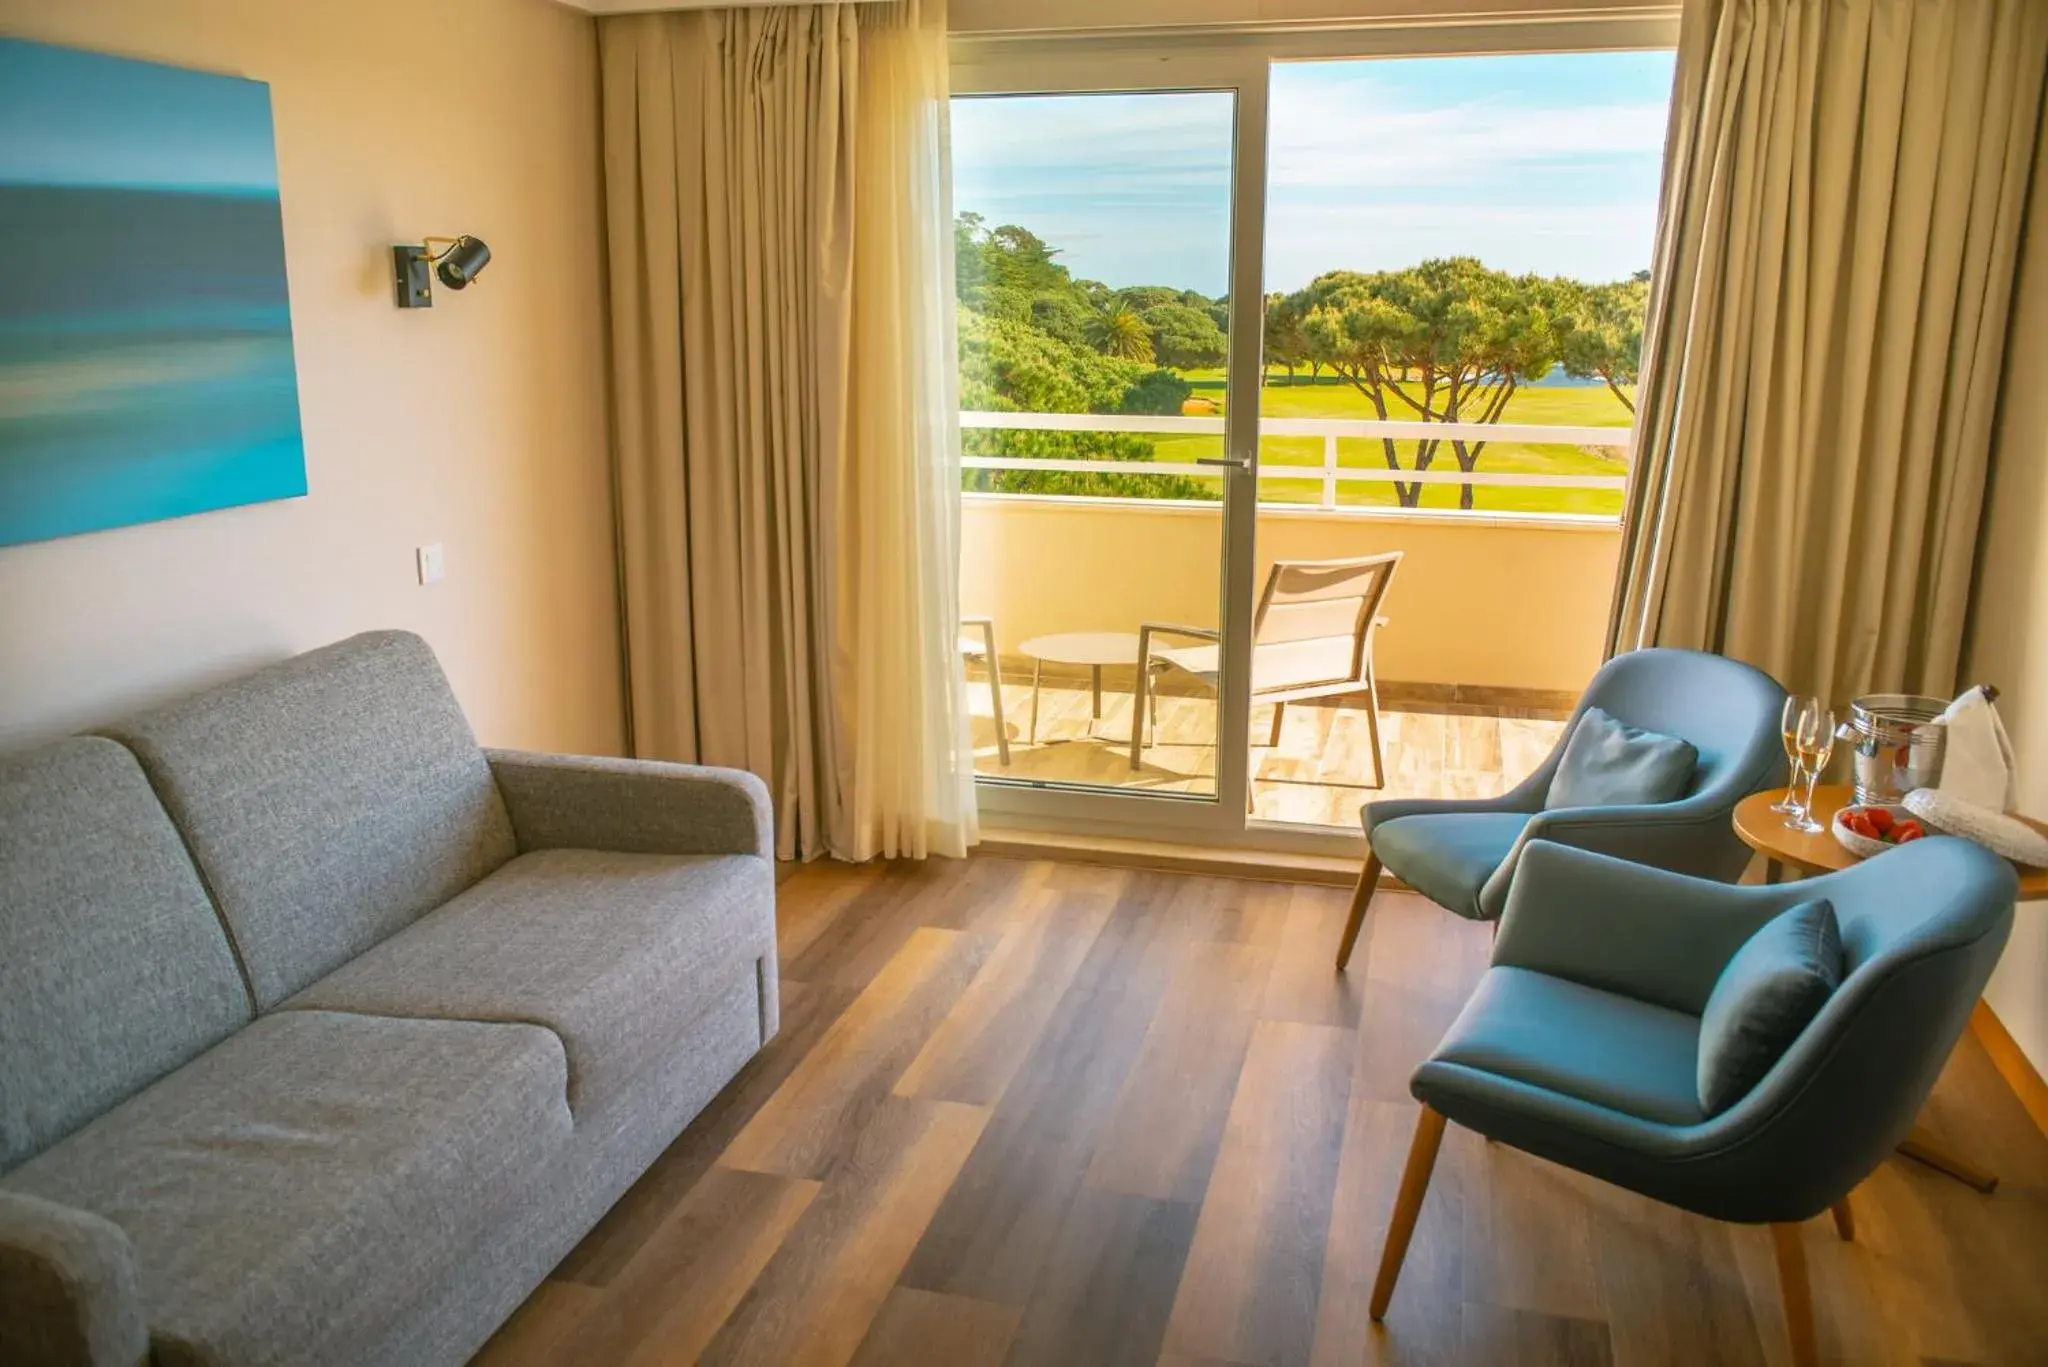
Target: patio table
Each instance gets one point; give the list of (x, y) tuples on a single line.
[(1091, 648)]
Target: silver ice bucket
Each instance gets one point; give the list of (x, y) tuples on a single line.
[(1893, 748)]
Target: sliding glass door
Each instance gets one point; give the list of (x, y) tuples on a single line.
[(1108, 475), (1423, 319)]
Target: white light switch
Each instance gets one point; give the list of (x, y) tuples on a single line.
[(431, 565)]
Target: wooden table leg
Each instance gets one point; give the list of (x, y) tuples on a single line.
[(1922, 1147), (1774, 872), (1095, 674)]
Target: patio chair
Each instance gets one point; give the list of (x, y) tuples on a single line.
[(984, 649), (1462, 853), (1581, 1044), (1311, 638)]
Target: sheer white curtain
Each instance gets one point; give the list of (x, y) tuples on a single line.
[(913, 761), (784, 403)]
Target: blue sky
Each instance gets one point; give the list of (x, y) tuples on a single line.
[(1531, 163), (82, 119)]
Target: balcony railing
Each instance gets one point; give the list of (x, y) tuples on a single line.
[(1330, 473)]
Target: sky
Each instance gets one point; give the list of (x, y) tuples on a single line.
[(82, 119), (1542, 163)]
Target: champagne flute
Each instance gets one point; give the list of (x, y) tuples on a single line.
[(1788, 730), (1816, 745)]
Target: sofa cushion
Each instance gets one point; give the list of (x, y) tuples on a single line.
[(329, 801), (289, 1191), (616, 953), (114, 968)]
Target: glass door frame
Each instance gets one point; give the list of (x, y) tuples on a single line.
[(1240, 61)]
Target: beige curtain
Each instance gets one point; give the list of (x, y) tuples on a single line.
[(1844, 184), (788, 479)]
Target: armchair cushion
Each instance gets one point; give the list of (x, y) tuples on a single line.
[(1608, 763), (1447, 857), (1776, 983), (1598, 1047)]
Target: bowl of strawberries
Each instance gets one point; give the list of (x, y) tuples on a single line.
[(1864, 831)]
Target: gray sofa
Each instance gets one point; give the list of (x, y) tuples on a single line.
[(325, 1034)]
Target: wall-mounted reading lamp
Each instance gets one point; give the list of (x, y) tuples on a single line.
[(459, 261)]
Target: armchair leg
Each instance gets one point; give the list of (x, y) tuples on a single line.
[(1845, 1220), (1361, 898), (995, 694), (1795, 1292), (1273, 737), (1429, 1135)]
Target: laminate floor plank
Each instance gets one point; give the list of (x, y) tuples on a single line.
[(805, 1127), (925, 1329), (1031, 1113), (814, 1301), (994, 1234), (1169, 1119), (1254, 1275)]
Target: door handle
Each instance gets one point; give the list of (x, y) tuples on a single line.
[(1234, 462)]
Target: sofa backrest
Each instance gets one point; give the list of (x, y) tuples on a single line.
[(114, 968), (329, 801)]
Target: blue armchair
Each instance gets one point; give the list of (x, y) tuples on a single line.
[(1580, 1044), (1463, 853)]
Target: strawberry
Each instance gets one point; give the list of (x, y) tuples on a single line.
[(1857, 821), (1880, 818), (1905, 831)]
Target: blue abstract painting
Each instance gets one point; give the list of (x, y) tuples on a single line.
[(145, 334)]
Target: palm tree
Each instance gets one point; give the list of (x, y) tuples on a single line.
[(1117, 331)]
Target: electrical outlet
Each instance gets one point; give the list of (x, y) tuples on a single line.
[(432, 566)]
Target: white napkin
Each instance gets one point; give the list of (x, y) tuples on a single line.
[(1977, 765)]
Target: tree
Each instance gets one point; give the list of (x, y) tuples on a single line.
[(1605, 336), (1446, 341), (1010, 366), (1118, 331), (1285, 340), (1183, 336)]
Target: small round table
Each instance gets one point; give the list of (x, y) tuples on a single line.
[(1092, 648), (1765, 831)]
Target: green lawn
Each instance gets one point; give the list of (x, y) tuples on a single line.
[(1585, 406)]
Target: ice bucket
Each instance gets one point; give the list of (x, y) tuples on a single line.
[(1893, 749)]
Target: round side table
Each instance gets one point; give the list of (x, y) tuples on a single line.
[(1092, 648), (1782, 847)]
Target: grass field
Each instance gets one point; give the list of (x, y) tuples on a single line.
[(1578, 406)]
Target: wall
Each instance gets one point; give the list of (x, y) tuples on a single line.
[(1475, 602), (2008, 638), (479, 423)]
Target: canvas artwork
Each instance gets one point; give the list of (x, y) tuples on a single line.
[(145, 334)]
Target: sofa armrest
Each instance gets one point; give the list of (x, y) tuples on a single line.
[(633, 806), (1628, 928), (68, 1290)]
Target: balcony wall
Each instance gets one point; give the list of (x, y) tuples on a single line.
[(1479, 601)]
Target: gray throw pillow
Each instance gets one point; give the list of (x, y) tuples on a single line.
[(1608, 763), (1769, 992)]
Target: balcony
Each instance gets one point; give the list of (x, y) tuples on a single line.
[(1495, 618)]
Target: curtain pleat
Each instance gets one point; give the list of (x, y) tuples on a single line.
[(1844, 188), (787, 476)]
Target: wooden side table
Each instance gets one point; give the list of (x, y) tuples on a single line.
[(1782, 847)]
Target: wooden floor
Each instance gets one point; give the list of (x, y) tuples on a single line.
[(1032, 1113), (1320, 773)]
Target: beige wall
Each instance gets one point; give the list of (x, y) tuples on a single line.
[(479, 423), (1474, 602), (2008, 644)]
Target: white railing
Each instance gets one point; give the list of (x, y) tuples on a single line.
[(1330, 430)]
